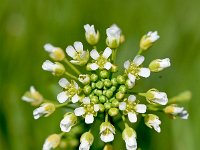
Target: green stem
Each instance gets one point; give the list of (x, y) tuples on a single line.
[(114, 54), (124, 120), (71, 76), (140, 52), (106, 118), (63, 104), (72, 66)]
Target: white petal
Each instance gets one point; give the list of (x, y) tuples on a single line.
[(78, 46), (138, 60), (107, 138), (107, 66), (131, 77), (86, 100), (79, 111), (96, 107), (94, 54), (164, 63), (65, 124), (131, 98), (48, 65), (62, 97), (94, 66), (107, 52), (87, 27), (85, 145), (144, 72), (89, 119), (63, 82), (141, 108), (132, 117), (75, 98), (126, 64), (48, 47), (71, 51), (122, 106)]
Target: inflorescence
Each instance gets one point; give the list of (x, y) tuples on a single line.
[(101, 91)]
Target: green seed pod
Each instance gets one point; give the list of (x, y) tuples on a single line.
[(119, 95), (93, 77), (102, 98), (121, 79), (109, 93), (101, 108), (107, 83), (122, 88), (104, 74), (114, 81), (113, 111), (87, 89), (115, 103), (99, 84), (107, 105)]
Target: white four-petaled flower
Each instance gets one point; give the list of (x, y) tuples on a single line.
[(113, 36), (91, 35), (68, 122), (152, 120), (159, 64), (45, 109), (175, 110), (86, 141), (101, 61), (56, 68), (107, 131), (131, 108), (129, 136), (51, 142), (154, 96)]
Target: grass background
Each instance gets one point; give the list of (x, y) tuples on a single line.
[(25, 25)]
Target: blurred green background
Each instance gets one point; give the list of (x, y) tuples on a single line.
[(26, 25)]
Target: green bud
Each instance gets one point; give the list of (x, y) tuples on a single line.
[(119, 95), (122, 88), (113, 88), (113, 111), (104, 74), (98, 92), (94, 99), (93, 85), (114, 69), (101, 108), (115, 103), (93, 77), (102, 98), (87, 89), (109, 93), (121, 79), (114, 81), (99, 84), (107, 105), (88, 67), (107, 83), (110, 100), (104, 92)]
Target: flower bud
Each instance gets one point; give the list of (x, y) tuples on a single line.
[(154, 96), (108, 147), (119, 95), (56, 53), (87, 89), (84, 78), (113, 111), (99, 85), (68, 122), (114, 68), (148, 40), (33, 97), (152, 120), (107, 131), (107, 83), (56, 68), (104, 74), (107, 105), (45, 110), (93, 77), (174, 111), (129, 136), (91, 36), (86, 141), (159, 64), (121, 79), (52, 142)]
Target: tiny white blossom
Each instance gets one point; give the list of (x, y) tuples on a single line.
[(68, 122), (176, 111), (107, 131), (84, 78), (80, 57), (134, 70), (129, 136), (113, 36), (51, 142), (56, 68), (86, 141), (101, 61), (159, 64), (154, 96), (45, 109), (91, 35), (152, 120)]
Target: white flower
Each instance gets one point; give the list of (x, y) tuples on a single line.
[(56, 68), (92, 37), (70, 91), (174, 110), (148, 39), (68, 122), (84, 78), (113, 36), (55, 53), (80, 57), (51, 142), (88, 111), (130, 108), (33, 97), (107, 131), (86, 141), (45, 109), (154, 96), (159, 64), (101, 61), (152, 120), (134, 70), (129, 136)]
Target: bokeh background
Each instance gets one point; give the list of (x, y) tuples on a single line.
[(26, 25)]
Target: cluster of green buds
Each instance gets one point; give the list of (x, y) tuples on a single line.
[(99, 90)]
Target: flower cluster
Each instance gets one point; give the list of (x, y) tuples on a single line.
[(100, 91)]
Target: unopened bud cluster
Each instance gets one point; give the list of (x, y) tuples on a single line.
[(101, 91)]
